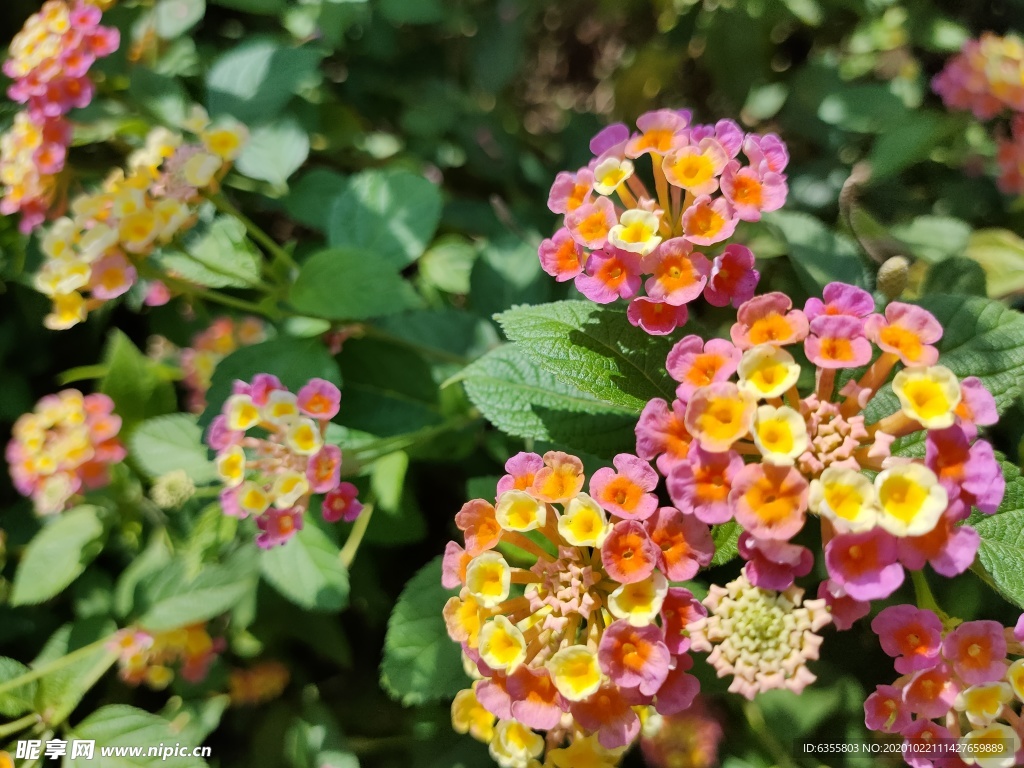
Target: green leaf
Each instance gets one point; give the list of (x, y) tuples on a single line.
[(217, 256), (393, 214), (61, 691), (981, 338), (265, 7), (421, 663), (162, 95), (294, 361), (594, 349), (448, 264), (134, 382), (862, 109), (310, 199), (955, 275), (169, 443), (307, 571), (913, 142), (350, 284), (1001, 254), (118, 725), (523, 400), (397, 518), (819, 255), (173, 18), (934, 238), (255, 80), (57, 555), (726, 537), (400, 12), (1001, 552), (274, 151), (508, 273), (174, 600), (22, 699)]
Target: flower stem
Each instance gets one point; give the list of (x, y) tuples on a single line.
[(756, 721), (9, 729), (923, 592), (53, 666), (221, 203), (215, 296), (355, 538)]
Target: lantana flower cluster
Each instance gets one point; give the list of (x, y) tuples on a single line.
[(272, 457), (617, 229), (958, 681), (66, 445), (211, 345), (591, 633), (742, 443), (154, 657), (100, 248), (49, 63), (689, 739), (987, 78)]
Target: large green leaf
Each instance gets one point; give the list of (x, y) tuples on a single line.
[(136, 384), (818, 254), (981, 338), (310, 199), (350, 284), (58, 555), (134, 732), (219, 256), (175, 600), (1001, 554), (1000, 253), (594, 349), (523, 400), (275, 151), (392, 214), (308, 571), (421, 663), (254, 80), (169, 443), (21, 699)]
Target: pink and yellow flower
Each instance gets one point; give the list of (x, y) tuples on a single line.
[(273, 474), (696, 191), (63, 448), (588, 638)]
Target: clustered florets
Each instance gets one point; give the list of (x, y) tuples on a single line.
[(49, 63), (589, 635), (272, 457), (758, 452), (957, 681), (701, 191), (66, 445)]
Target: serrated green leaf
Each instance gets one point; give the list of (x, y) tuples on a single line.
[(1001, 552), (523, 400), (134, 382), (294, 361), (218, 256), (980, 338), (174, 600), (955, 275), (819, 255), (392, 214), (169, 443), (274, 151), (421, 663), (308, 571), (726, 537), (61, 691), (350, 284), (254, 80), (22, 699), (58, 555), (594, 349), (118, 725)]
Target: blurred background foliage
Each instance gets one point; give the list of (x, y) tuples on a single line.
[(350, 103)]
